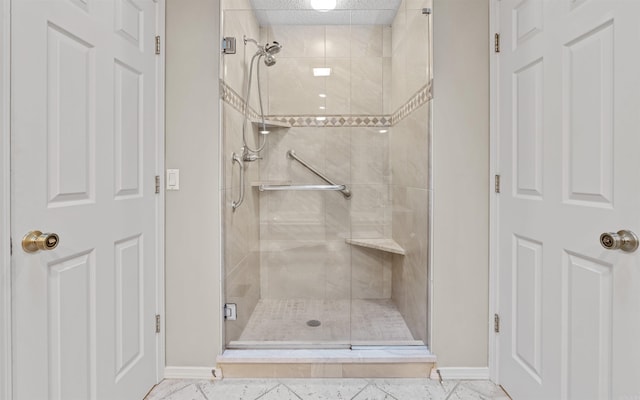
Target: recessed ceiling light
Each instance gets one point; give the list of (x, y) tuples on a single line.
[(323, 107), (383, 131), (321, 71), (322, 95), (323, 5), (321, 118)]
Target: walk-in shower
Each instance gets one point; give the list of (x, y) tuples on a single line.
[(330, 247)]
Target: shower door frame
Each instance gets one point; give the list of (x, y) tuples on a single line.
[(223, 344)]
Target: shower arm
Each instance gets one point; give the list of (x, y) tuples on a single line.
[(345, 191)]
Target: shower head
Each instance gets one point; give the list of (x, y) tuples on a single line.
[(273, 48), (267, 51)]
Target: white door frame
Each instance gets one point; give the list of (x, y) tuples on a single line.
[(5, 196), (5, 199), (494, 169), (160, 218)]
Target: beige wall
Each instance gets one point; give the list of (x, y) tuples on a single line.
[(461, 183), (5, 262), (193, 307)]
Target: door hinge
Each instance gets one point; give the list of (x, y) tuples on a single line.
[(497, 183), (230, 312), (157, 184), (157, 44), (496, 43), (10, 246), (158, 323), (496, 323)]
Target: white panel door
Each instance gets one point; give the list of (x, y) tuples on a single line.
[(569, 156), (84, 159)]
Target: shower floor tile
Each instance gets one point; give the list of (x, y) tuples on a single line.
[(340, 320)]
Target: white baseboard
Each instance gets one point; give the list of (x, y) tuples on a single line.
[(456, 373), (189, 373)]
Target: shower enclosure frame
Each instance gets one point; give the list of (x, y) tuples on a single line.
[(429, 206)]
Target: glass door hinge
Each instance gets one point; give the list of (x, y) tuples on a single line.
[(230, 312)]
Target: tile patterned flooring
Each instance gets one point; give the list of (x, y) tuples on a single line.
[(285, 320), (326, 389)]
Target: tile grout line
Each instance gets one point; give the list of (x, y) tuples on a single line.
[(448, 396), (385, 392), (361, 390), (201, 391), (291, 390)]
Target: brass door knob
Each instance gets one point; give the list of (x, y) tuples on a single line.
[(623, 240), (36, 240)]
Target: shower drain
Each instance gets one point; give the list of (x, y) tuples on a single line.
[(313, 322)]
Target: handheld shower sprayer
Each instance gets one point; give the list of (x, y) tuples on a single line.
[(267, 51)]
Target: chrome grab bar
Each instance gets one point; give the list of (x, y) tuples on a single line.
[(345, 191), (265, 188), (237, 159)]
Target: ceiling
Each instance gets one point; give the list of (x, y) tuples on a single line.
[(347, 12)]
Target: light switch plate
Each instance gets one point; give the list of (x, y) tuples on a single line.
[(173, 179)]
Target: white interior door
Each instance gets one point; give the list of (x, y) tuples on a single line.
[(569, 156), (84, 159)]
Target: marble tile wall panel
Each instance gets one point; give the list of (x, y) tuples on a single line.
[(417, 53), (409, 150), (232, 142), (410, 51), (309, 144), (242, 287), (298, 41), (370, 273), (338, 154), (311, 269), (241, 229), (410, 279), (292, 87), (366, 41), (336, 43), (354, 54), (370, 217), (369, 156), (292, 215), (337, 88)]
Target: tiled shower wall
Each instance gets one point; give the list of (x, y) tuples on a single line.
[(304, 254), (409, 158), (241, 227)]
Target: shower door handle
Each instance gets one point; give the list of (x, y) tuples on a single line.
[(237, 159)]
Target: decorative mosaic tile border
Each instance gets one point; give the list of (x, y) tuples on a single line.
[(334, 121), (236, 101), (420, 98)]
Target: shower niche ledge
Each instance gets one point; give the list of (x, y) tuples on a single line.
[(271, 124), (389, 245)]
